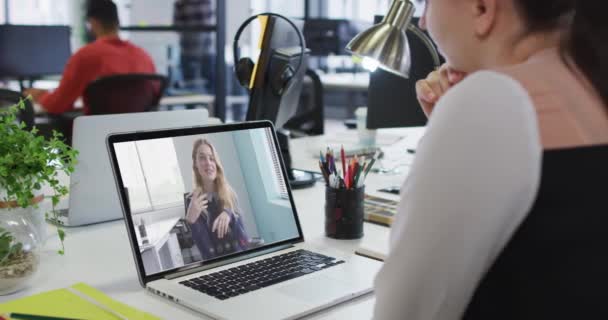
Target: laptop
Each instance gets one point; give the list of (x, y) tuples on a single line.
[(213, 226), (92, 173)]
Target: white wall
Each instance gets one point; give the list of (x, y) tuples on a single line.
[(224, 145), (146, 13), (151, 12)]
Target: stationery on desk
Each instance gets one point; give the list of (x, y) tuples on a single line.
[(380, 210), (352, 176), (350, 141), (79, 301), (377, 210), (353, 173)]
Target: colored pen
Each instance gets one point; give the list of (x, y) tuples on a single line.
[(347, 177), (23, 316), (324, 172), (358, 172), (371, 164), (343, 161)]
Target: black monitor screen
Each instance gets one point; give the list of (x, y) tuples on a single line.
[(33, 51), (330, 36), (280, 49)]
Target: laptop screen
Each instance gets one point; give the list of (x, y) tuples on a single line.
[(194, 197)]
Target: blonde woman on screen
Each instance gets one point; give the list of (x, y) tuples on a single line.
[(212, 207)]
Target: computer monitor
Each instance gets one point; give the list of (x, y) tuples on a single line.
[(392, 99), (280, 49), (271, 98), (29, 52), (330, 36)]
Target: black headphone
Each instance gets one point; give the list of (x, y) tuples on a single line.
[(244, 66)]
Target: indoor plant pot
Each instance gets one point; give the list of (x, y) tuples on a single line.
[(19, 246), (27, 163)]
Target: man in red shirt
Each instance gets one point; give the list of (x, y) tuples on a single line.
[(108, 55)]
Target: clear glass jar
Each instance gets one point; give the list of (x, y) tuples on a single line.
[(19, 248)]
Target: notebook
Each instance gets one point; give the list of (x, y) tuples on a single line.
[(62, 303), (379, 210)]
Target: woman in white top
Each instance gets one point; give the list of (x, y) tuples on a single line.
[(522, 76)]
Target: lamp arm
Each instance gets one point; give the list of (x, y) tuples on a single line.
[(427, 42)]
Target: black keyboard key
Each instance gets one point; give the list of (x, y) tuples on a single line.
[(252, 287)]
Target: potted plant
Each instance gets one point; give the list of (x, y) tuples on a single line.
[(28, 162)]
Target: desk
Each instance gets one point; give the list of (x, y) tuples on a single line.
[(100, 255), (195, 99), (345, 81), (189, 99)]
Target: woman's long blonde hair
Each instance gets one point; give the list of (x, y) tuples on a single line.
[(227, 197)]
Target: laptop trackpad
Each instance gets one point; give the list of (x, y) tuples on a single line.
[(315, 290)]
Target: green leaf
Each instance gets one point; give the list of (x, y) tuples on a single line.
[(28, 162)]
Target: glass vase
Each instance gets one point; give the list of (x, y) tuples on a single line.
[(19, 248)]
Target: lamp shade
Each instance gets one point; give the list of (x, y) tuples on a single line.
[(386, 42)]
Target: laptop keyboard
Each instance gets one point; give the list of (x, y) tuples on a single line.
[(263, 273)]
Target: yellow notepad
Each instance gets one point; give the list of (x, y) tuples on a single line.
[(63, 303)]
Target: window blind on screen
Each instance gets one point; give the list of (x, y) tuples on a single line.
[(276, 166)]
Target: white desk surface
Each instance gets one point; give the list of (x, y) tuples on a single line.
[(345, 81), (168, 101), (100, 255), (205, 99)]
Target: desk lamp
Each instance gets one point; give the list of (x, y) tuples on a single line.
[(385, 44)]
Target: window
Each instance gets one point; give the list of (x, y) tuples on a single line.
[(41, 12), (2, 12), (363, 10), (151, 174), (280, 186), (291, 9)]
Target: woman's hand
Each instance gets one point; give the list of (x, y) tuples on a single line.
[(198, 204), (221, 224), (437, 83)]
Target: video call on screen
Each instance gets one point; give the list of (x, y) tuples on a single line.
[(196, 198)]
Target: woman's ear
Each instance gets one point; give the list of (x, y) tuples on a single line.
[(484, 15)]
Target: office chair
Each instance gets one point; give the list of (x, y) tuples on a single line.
[(9, 98), (309, 117), (124, 93)]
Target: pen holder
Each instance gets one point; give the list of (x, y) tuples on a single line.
[(344, 213)]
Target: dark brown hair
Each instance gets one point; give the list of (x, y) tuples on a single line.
[(105, 11), (586, 42)]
